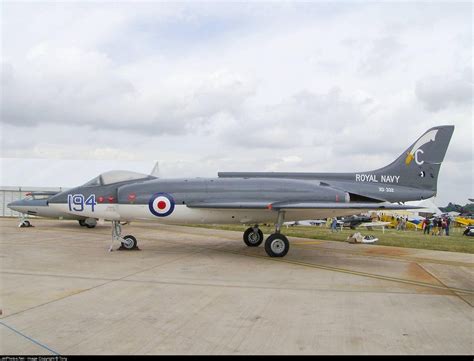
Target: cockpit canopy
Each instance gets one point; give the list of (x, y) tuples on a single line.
[(115, 176)]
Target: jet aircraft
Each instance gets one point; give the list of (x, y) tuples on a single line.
[(36, 203), (261, 197)]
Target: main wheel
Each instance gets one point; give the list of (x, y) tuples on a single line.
[(90, 225), (129, 243), (82, 222), (277, 245), (253, 239)]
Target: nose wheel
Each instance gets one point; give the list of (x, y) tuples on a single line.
[(127, 243)]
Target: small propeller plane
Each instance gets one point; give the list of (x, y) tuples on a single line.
[(260, 197)]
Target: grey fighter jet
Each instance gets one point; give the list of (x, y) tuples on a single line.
[(36, 204), (256, 198)]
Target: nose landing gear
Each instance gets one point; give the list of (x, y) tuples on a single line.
[(127, 243)]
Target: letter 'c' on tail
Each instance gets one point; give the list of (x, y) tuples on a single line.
[(419, 165)]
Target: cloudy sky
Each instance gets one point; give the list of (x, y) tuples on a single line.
[(206, 87)]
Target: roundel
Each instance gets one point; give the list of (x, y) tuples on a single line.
[(161, 204)]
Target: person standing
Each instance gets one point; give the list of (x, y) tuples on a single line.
[(434, 227), (443, 226), (440, 227), (426, 226), (448, 223)]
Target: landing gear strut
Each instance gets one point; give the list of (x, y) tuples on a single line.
[(24, 222), (253, 236), (277, 245), (127, 242)]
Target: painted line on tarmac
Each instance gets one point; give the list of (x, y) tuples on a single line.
[(304, 243), (357, 273), (406, 258), (341, 270), (29, 338)]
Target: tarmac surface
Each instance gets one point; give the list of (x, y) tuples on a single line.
[(201, 291)]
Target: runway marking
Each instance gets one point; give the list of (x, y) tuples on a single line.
[(432, 275), (181, 282), (336, 269), (358, 273), (29, 338), (401, 258), (303, 243)]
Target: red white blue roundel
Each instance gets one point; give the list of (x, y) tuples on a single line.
[(161, 204)]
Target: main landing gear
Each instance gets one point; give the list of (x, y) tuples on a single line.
[(253, 236), (276, 245), (127, 243), (88, 222)]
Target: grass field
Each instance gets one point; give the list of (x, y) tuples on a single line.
[(456, 242)]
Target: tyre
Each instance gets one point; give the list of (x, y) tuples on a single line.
[(253, 239), (90, 225), (277, 245), (82, 223), (27, 223), (130, 242)]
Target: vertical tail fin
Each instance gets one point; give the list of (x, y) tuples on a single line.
[(419, 165)]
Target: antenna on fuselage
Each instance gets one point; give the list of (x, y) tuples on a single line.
[(155, 172)]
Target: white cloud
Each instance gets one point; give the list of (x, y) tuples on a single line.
[(439, 92), (204, 87)]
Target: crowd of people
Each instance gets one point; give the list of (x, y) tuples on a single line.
[(401, 223), (436, 226)]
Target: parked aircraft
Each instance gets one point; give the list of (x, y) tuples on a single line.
[(36, 203), (306, 222), (353, 221), (261, 197)]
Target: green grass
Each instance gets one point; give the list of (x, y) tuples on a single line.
[(456, 242)]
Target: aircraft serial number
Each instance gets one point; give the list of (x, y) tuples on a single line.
[(77, 202), (386, 189)]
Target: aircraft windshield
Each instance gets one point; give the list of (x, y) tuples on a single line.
[(94, 182), (115, 176)]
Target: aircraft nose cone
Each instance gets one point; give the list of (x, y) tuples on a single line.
[(14, 205)]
